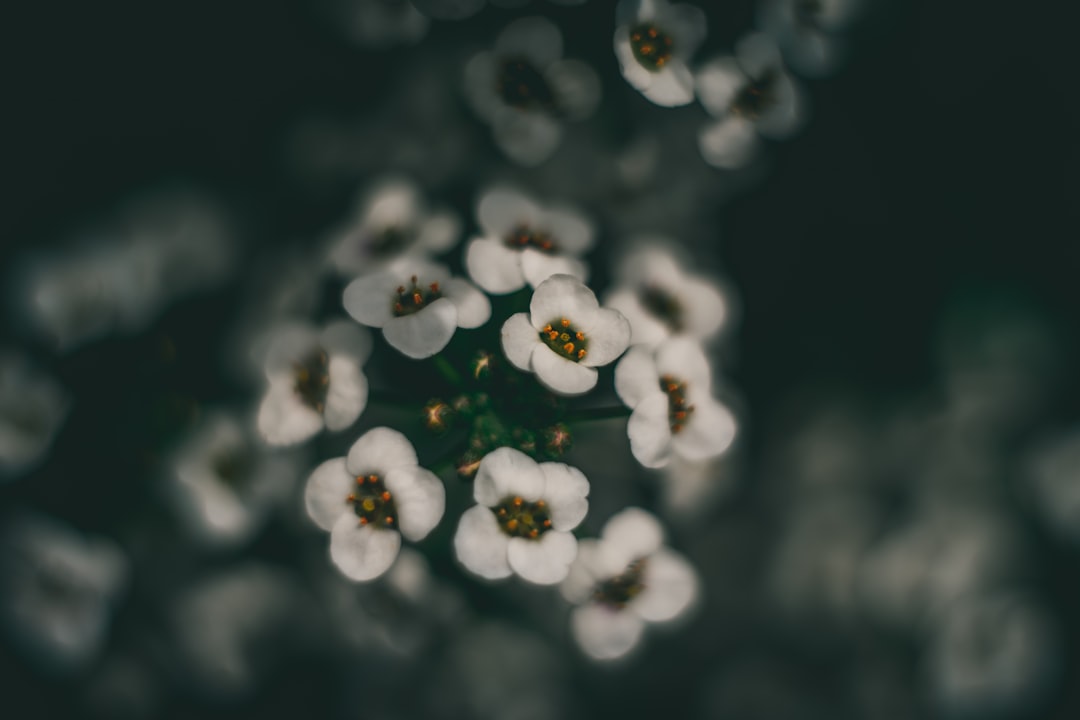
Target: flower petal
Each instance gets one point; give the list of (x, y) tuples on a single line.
[(632, 534), (686, 24), (560, 375), (473, 307), (729, 143), (424, 333), (645, 328), (671, 586), (493, 266), (362, 552), (757, 54), (537, 267), (584, 574), (608, 333), (605, 633), (326, 491), (671, 87), (534, 38), (481, 79), (283, 418), (419, 497), (565, 491), (480, 545), (709, 431), (562, 296), (378, 451), (650, 431), (502, 209), (527, 138), (370, 299), (683, 359), (507, 472), (718, 83), (288, 344), (784, 117), (544, 561), (346, 395), (519, 340), (636, 376), (438, 232), (705, 309), (634, 72), (345, 337), (573, 232)]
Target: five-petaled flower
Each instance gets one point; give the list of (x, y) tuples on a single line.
[(565, 336), (523, 518), (654, 41), (370, 498)]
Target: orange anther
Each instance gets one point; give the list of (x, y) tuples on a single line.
[(385, 496), (564, 322), (373, 478), (363, 521), (511, 524), (581, 353), (417, 298), (434, 287), (533, 533), (579, 335), (517, 501), (389, 520), (568, 347), (547, 523)]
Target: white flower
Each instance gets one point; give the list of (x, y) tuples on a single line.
[(314, 379), (32, 409), (809, 32), (674, 413), (525, 242), (372, 497), (524, 89), (654, 41), (660, 299), (565, 336), (417, 304), (749, 94), (624, 580), (523, 518), (391, 222)]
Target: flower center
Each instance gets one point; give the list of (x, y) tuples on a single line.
[(616, 592), (521, 85), (414, 297), (233, 465), (663, 305), (519, 518), (566, 340), (756, 96), (679, 410), (651, 46), (312, 379), (523, 236), (389, 241), (372, 502)]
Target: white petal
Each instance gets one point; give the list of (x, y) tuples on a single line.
[(708, 432), (283, 418), (565, 491), (584, 574), (686, 24), (635, 73), (370, 299), (729, 143), (572, 231), (378, 451), (562, 296), (671, 87), (561, 375), (718, 82), (608, 333), (671, 585), (473, 307), (544, 561), (527, 138), (419, 497), (535, 38), (757, 54), (705, 309), (649, 431), (784, 117), (519, 340), (326, 491), (344, 337), (645, 329), (346, 395), (481, 78), (636, 376), (502, 209), (632, 534), (605, 633), (424, 333), (507, 472), (683, 359), (439, 232), (493, 266), (480, 545), (289, 344), (576, 88), (362, 552), (537, 266)]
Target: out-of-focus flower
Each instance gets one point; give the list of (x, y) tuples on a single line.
[(624, 580), (565, 336), (809, 32), (225, 484), (523, 242), (669, 390), (525, 90), (749, 94), (379, 24), (314, 380), (1053, 474), (32, 409), (391, 222), (660, 299), (523, 518), (417, 304), (654, 41), (59, 590), (370, 498)]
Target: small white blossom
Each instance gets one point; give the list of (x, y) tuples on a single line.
[(417, 304), (314, 380), (749, 94), (32, 409), (370, 498), (522, 522), (565, 336), (524, 242), (654, 41), (809, 32), (623, 581), (674, 414)]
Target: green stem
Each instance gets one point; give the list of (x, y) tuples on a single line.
[(447, 371), (599, 413)]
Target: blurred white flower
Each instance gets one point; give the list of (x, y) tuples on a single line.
[(417, 304), (525, 90), (379, 24), (33, 406), (749, 94), (60, 590), (1053, 478), (370, 498), (225, 484), (660, 299), (565, 336), (523, 518), (524, 242), (669, 390), (623, 581), (654, 41), (392, 221), (809, 32), (314, 380)]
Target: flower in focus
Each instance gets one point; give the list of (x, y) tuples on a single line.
[(660, 299), (392, 221), (314, 379), (674, 412), (809, 32), (370, 498), (624, 580), (417, 304), (565, 336), (32, 408), (524, 242), (525, 90), (523, 518), (380, 24), (749, 94), (654, 41)]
